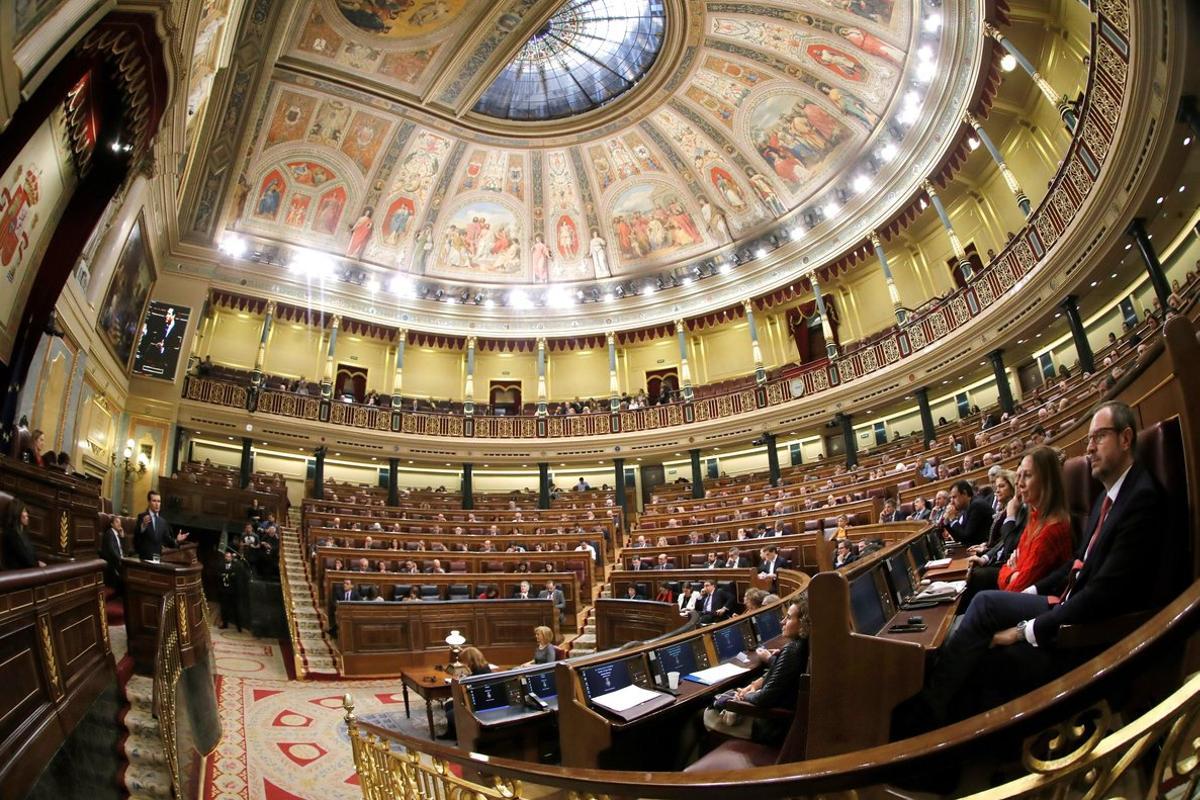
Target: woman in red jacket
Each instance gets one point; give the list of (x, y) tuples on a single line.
[(1046, 541)]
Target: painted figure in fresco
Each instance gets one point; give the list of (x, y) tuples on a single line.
[(360, 233), (599, 251), (762, 187), (424, 246), (838, 61), (714, 220), (850, 105), (268, 202), (568, 239), (870, 43), (540, 259), (397, 224)]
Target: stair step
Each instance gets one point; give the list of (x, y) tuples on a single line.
[(142, 749), (148, 781), (140, 691), (141, 723)]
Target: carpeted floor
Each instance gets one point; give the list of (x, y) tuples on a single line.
[(286, 740)]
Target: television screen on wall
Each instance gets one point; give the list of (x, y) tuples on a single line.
[(160, 340)]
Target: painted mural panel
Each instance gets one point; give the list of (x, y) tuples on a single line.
[(32, 194), (28, 14), (211, 30), (121, 313), (482, 236), (401, 19)]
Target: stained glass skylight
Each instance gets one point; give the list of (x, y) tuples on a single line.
[(588, 53)]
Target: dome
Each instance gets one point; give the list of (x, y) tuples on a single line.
[(600, 150)]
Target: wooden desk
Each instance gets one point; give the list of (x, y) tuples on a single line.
[(62, 509), (938, 620), (956, 570), (147, 584), (430, 684)]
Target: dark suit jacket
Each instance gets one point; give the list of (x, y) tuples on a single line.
[(339, 596), (1005, 536), (720, 599), (18, 550), (1122, 571), (111, 550), (972, 526), (780, 688), (149, 541), (780, 563), (922, 514)]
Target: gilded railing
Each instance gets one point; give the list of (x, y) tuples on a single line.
[(167, 669), (1084, 756)]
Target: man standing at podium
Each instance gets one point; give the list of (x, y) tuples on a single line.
[(153, 533)]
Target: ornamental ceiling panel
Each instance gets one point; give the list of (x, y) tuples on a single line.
[(366, 147)]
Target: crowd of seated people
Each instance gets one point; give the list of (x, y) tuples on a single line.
[(206, 473)]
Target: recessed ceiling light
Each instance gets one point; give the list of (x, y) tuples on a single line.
[(797, 233), (1187, 140), (373, 285), (1095, 284), (1056, 316), (1159, 201), (1129, 245), (933, 23), (831, 210), (726, 267), (760, 253), (973, 143), (1114, 275), (1181, 188), (887, 152), (861, 183)]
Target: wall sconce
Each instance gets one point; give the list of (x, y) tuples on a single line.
[(456, 641)]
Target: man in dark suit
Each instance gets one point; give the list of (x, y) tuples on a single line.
[(772, 562), (1114, 572), (920, 508), (1006, 531), (974, 519), (714, 604), (153, 533), (112, 550), (347, 593), (552, 592)]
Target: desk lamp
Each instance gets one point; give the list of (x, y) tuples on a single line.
[(456, 668)]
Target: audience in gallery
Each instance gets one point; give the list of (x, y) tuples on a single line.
[(778, 687), (1006, 643)]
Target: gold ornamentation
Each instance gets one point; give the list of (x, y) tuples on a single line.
[(64, 531), (103, 621), (47, 641), (182, 613)]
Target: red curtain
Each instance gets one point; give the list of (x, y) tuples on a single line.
[(810, 339)]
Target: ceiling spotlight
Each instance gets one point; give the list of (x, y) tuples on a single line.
[(558, 297), (649, 289), (401, 285), (908, 115), (1008, 63), (608, 297), (933, 23), (861, 183), (372, 285), (925, 53), (973, 143), (1159, 201), (1187, 140), (489, 303), (726, 268), (887, 152), (925, 71), (311, 264), (234, 246), (797, 233), (760, 253), (518, 299), (830, 210), (1095, 284)]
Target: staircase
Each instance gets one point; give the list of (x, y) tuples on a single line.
[(146, 776), (310, 644)]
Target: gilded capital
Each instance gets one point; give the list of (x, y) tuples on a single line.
[(876, 242)]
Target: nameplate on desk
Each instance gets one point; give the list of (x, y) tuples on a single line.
[(716, 674), (624, 699)]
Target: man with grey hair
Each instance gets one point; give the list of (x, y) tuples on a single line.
[(940, 503)]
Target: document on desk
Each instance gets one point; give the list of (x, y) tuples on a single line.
[(625, 699), (941, 590), (716, 674), (937, 563)]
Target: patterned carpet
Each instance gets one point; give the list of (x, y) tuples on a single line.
[(285, 740)]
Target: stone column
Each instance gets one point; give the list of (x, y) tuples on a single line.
[(697, 475), (893, 292), (327, 379), (1158, 279), (760, 372), (393, 482), (1065, 110), (831, 348), (469, 389), (614, 388), (398, 381), (319, 473), (541, 377), (619, 483), (268, 318), (927, 428), (1001, 164), (685, 374), (247, 465), (848, 440), (1083, 348), (772, 457), (543, 485), (1003, 389), (468, 488), (964, 265)]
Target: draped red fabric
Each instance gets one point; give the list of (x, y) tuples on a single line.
[(810, 340)]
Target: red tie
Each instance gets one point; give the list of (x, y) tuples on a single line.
[(1078, 565)]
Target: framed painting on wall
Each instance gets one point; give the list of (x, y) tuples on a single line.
[(124, 306)]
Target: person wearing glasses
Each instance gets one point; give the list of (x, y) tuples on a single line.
[(1005, 644)]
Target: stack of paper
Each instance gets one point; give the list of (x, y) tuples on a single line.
[(716, 674), (937, 563), (941, 590), (625, 699)]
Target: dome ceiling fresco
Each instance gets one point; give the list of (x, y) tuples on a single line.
[(369, 145)]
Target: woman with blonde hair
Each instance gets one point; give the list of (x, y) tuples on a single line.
[(1045, 543), (545, 652)]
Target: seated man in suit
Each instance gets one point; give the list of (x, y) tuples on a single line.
[(772, 562), (920, 508), (632, 593), (1006, 531), (153, 532), (777, 688), (552, 592), (523, 591), (1114, 572), (974, 519), (714, 604), (348, 592)]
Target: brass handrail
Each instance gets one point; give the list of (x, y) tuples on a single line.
[(297, 661), (167, 669)]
